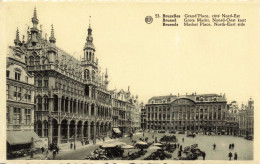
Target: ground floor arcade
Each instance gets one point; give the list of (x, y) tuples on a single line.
[(72, 130)]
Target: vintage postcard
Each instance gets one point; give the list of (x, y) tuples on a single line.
[(130, 81)]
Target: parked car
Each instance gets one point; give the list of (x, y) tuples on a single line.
[(249, 138), (161, 131), (191, 135), (172, 132)]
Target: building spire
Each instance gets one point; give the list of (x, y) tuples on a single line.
[(52, 39), (106, 75), (89, 44), (17, 38), (35, 21)]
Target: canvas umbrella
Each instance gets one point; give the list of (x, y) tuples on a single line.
[(127, 147), (154, 148), (157, 144), (141, 143)]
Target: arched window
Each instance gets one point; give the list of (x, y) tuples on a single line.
[(93, 75), (31, 61), (37, 60), (39, 99)]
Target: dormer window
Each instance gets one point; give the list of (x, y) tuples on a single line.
[(7, 73), (17, 75)]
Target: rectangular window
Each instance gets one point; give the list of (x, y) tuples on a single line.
[(29, 95), (27, 118), (46, 104), (46, 83), (39, 83), (7, 91), (17, 76), (7, 115), (7, 73), (39, 103), (19, 93), (17, 116)]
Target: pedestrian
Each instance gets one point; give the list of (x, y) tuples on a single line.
[(233, 145), (57, 149), (203, 155), (31, 153), (179, 153), (42, 149), (181, 148), (81, 142), (178, 145), (230, 146), (235, 156), (54, 154), (182, 139), (230, 155), (214, 146), (74, 145), (71, 145)]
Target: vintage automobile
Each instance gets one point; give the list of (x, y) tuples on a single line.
[(249, 138), (161, 131), (171, 138), (191, 135), (172, 132)]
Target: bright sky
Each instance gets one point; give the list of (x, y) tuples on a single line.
[(152, 59)]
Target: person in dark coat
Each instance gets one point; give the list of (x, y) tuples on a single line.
[(230, 146), (71, 145), (230, 155), (233, 145), (57, 149), (181, 148), (74, 146), (203, 155), (214, 146), (235, 156), (42, 149), (182, 139), (179, 153), (54, 154)]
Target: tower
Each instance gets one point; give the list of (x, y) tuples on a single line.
[(89, 48)]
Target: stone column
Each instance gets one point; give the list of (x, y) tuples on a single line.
[(88, 127), (50, 132), (68, 132), (95, 130), (43, 127), (82, 130), (64, 105), (59, 104), (89, 109), (59, 134), (68, 106), (51, 102), (36, 128), (76, 131)]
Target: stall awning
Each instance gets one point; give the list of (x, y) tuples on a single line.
[(21, 137), (116, 130)]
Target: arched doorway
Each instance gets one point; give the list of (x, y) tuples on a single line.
[(72, 130), (55, 131), (64, 131)]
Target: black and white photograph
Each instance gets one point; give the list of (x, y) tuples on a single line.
[(130, 81)]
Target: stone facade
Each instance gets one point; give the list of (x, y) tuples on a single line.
[(125, 111), (19, 91), (190, 113), (246, 119)]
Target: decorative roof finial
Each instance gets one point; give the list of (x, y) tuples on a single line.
[(35, 13), (52, 38), (106, 75), (17, 38), (90, 21)]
